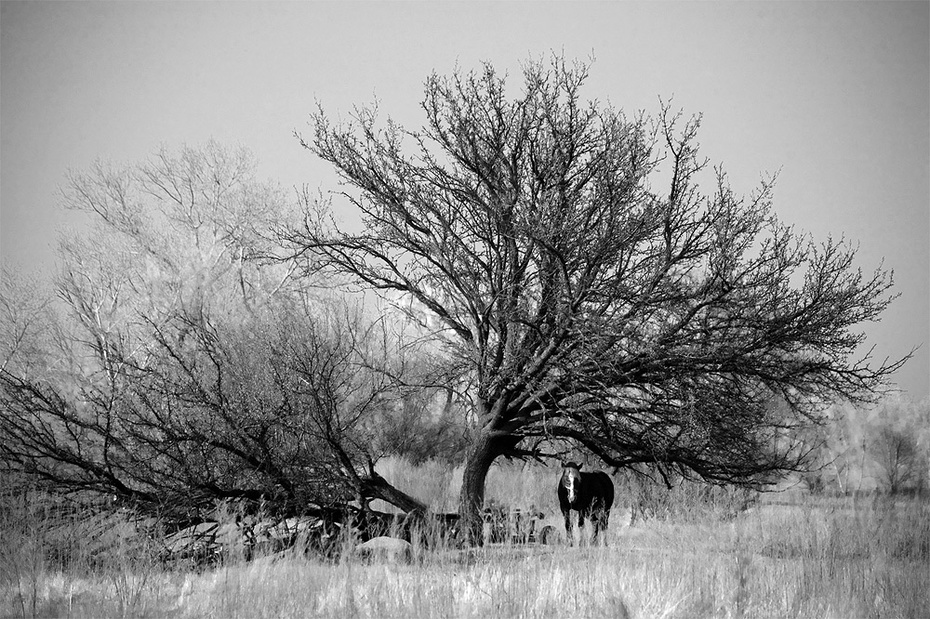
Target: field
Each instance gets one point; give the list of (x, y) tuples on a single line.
[(789, 555)]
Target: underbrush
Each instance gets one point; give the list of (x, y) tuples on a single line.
[(780, 558)]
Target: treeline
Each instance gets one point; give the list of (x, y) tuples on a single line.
[(884, 447)]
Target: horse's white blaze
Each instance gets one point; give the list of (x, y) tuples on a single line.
[(571, 480)]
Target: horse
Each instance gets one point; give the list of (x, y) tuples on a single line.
[(590, 494)]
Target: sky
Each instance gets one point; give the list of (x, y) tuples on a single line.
[(833, 96)]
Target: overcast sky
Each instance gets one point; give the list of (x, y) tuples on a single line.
[(833, 95)]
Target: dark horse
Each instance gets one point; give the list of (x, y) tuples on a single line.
[(590, 494)]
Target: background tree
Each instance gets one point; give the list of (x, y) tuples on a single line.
[(678, 329), (183, 364), (897, 444), (419, 430), (881, 445)]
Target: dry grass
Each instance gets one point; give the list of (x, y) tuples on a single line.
[(830, 558)]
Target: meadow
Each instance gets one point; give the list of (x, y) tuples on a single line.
[(701, 555)]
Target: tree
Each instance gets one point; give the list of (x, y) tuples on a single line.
[(680, 330), (897, 444), (184, 365)]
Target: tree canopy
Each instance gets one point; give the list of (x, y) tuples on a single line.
[(587, 286)]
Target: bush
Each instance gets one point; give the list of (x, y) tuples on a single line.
[(685, 501)]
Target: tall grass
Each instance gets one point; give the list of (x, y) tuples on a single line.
[(58, 559), (799, 558)]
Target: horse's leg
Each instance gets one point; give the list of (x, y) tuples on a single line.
[(568, 526), (595, 524)]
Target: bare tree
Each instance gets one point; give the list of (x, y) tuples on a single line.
[(184, 364), (678, 329), (897, 458), (897, 444)]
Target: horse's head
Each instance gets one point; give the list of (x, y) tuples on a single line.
[(571, 480)]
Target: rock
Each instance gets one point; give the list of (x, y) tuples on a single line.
[(384, 549), (549, 535)]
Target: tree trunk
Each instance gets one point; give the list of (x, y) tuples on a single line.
[(471, 499), (376, 487)]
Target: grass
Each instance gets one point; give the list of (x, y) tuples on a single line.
[(800, 557)]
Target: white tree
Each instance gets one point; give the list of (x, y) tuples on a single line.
[(191, 364)]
